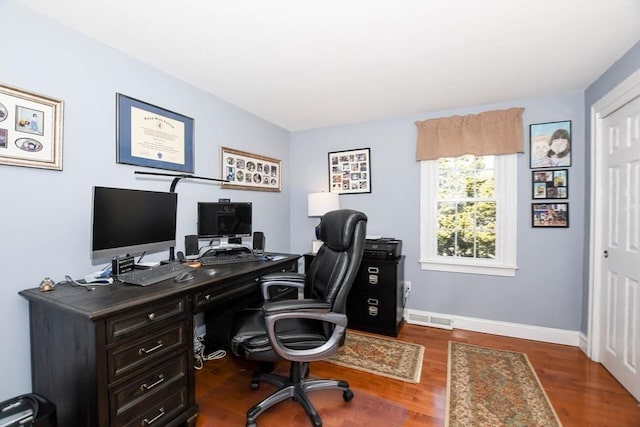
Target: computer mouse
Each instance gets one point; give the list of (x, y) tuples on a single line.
[(183, 277)]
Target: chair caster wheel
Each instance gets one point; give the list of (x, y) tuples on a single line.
[(347, 395), (254, 386)]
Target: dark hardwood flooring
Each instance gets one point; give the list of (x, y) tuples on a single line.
[(582, 392)]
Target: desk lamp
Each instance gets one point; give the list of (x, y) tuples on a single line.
[(319, 204)]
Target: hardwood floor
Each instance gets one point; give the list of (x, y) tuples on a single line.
[(582, 392)]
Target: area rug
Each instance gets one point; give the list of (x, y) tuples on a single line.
[(381, 356), (489, 387)]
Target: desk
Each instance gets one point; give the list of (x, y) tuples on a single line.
[(122, 355)]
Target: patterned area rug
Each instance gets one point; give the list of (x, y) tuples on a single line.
[(489, 387), (381, 356)]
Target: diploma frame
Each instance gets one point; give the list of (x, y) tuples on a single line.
[(165, 124), (30, 129), (248, 171)]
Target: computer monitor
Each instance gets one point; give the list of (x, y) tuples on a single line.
[(224, 219), (128, 222)]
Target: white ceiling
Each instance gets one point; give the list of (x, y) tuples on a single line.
[(305, 64)]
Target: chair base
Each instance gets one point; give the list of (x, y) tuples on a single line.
[(294, 388)]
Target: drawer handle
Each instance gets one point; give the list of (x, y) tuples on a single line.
[(373, 311), (151, 350), (146, 386), (151, 316), (373, 279), (147, 422), (373, 270), (372, 301), (207, 297)]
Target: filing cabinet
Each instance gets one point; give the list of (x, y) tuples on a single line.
[(376, 300)]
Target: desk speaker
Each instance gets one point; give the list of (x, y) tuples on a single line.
[(191, 245), (258, 242)]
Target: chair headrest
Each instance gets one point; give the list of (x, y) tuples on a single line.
[(337, 228)]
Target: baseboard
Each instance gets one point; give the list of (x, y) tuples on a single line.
[(514, 330), (583, 343)]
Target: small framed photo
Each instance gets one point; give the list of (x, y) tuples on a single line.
[(550, 184), (248, 171), (550, 144), (550, 215), (350, 171), (30, 129), (152, 136)]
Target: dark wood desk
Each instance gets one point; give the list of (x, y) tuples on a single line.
[(122, 355)]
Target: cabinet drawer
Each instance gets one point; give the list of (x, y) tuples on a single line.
[(139, 353), (155, 412), (154, 382), (137, 320), (374, 312), (379, 278)]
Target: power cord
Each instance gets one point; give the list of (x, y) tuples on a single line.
[(200, 357)]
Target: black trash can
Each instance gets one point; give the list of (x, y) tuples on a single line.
[(28, 410)]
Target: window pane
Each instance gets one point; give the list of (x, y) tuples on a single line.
[(446, 243)]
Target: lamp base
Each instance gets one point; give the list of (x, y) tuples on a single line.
[(315, 245)]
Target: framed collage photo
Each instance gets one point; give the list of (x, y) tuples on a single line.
[(350, 171), (247, 171), (550, 184), (550, 145), (550, 215), (30, 129), (152, 136)]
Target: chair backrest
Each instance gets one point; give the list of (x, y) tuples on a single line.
[(336, 264)]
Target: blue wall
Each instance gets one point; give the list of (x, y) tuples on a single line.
[(547, 288), (45, 216)]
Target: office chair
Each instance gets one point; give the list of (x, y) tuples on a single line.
[(309, 329)]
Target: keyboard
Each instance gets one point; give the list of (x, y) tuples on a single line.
[(228, 258), (149, 276)]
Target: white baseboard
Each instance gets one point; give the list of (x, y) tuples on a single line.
[(514, 330)]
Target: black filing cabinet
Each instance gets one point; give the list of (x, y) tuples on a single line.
[(376, 300)]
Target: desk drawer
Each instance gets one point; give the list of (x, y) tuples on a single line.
[(140, 320), (139, 353), (214, 297), (157, 411), (153, 383)]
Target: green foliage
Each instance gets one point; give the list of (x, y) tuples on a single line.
[(466, 207)]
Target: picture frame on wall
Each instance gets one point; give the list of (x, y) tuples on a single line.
[(248, 171), (151, 136), (31, 129), (550, 144), (549, 215), (350, 171), (550, 184)]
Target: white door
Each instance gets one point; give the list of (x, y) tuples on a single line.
[(618, 296)]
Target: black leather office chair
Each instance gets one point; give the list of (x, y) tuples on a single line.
[(304, 330)]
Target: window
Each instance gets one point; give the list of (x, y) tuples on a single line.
[(468, 211)]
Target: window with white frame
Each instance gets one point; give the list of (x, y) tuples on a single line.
[(468, 214)]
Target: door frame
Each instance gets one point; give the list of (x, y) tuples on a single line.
[(616, 98)]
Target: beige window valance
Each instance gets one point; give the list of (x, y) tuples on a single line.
[(490, 133)]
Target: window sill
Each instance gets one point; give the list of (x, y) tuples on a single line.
[(475, 268)]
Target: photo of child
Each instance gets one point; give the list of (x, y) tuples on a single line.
[(550, 144)]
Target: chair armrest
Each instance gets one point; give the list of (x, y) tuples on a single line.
[(304, 309), (286, 278)]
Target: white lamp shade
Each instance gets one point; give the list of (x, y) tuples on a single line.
[(321, 203)]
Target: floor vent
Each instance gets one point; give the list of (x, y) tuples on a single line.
[(429, 320)]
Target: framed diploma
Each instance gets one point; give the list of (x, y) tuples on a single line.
[(151, 136)]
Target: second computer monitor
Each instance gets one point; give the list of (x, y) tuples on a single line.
[(224, 219)]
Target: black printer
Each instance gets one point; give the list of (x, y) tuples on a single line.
[(383, 248)]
